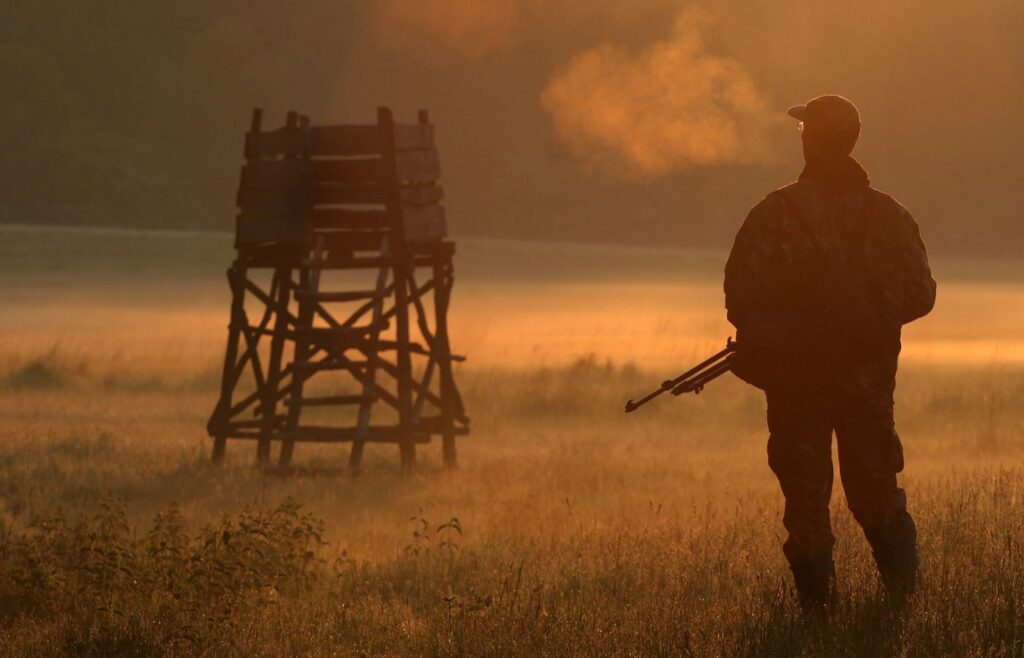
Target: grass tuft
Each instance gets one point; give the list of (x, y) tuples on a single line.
[(41, 373)]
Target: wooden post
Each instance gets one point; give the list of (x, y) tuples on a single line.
[(442, 294), (305, 321), (401, 270), (309, 281), (270, 387), (443, 279), (283, 276), (252, 140), (236, 279), (355, 458)]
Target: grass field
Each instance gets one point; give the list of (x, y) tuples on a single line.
[(569, 528)]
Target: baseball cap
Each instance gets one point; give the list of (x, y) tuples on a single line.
[(829, 112)]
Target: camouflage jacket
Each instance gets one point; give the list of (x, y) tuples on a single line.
[(827, 268)]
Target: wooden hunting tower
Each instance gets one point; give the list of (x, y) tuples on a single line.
[(333, 338)]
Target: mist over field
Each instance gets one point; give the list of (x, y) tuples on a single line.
[(569, 528)]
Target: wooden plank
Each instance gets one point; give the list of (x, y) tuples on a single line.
[(345, 140), (424, 223), (413, 136), (346, 262), (316, 141), (338, 336), (337, 140), (425, 195), (304, 199), (341, 218), (330, 365), (271, 254), (347, 296), (276, 422), (343, 261), (256, 229), (376, 221), (414, 167), (327, 401), (310, 173), (347, 241)]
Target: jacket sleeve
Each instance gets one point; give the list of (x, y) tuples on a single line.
[(909, 291), (749, 268)]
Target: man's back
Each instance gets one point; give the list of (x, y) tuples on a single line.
[(832, 264), (822, 276)]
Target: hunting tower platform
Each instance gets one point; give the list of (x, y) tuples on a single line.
[(333, 337)]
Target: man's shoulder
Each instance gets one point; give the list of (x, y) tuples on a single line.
[(808, 191), (774, 201), (798, 192), (887, 203)]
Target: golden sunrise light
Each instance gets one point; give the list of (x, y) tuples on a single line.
[(511, 328)]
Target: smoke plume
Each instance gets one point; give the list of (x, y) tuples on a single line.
[(669, 107)]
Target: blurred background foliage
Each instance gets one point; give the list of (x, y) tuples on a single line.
[(132, 113)]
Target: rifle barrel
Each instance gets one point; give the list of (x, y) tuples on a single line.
[(671, 384), (696, 384)]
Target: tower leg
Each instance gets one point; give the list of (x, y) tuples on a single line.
[(309, 280), (220, 444), (305, 321), (442, 291), (355, 458), (407, 448), (236, 277), (270, 386)]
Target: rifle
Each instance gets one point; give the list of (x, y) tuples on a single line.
[(694, 379)]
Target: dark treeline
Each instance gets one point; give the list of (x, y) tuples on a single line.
[(124, 112)]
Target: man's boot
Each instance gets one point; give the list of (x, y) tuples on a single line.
[(814, 577), (894, 545)]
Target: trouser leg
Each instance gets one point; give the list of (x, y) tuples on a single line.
[(870, 456), (800, 455)]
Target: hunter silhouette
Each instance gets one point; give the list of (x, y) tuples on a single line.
[(822, 276)]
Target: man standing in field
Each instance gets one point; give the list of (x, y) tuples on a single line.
[(822, 276)]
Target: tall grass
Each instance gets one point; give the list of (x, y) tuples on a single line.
[(571, 529), (264, 583)]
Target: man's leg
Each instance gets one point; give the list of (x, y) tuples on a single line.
[(870, 456), (800, 454)]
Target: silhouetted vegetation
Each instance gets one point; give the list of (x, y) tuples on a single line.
[(264, 582)]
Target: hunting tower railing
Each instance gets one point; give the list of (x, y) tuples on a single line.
[(314, 353)]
